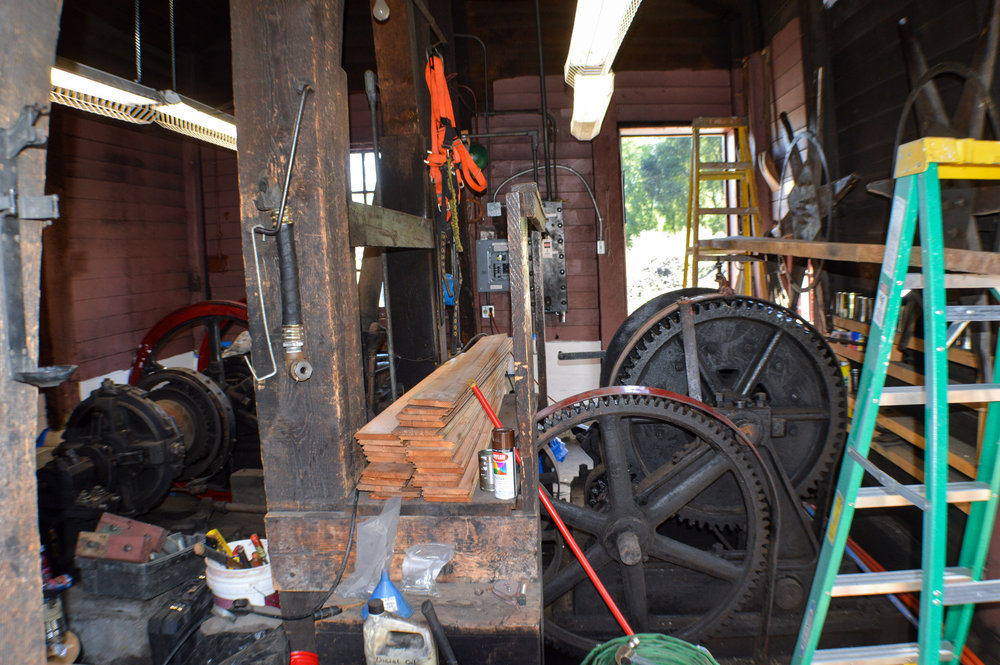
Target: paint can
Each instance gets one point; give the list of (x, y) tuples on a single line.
[(504, 468), (486, 470)]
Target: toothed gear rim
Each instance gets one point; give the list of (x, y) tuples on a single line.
[(690, 581), (619, 341), (799, 389)]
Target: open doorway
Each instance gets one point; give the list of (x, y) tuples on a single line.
[(656, 175)]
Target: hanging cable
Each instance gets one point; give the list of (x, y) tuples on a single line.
[(138, 46), (173, 51)]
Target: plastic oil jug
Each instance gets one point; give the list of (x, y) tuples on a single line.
[(390, 640)]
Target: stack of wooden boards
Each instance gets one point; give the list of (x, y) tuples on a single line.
[(427, 442)]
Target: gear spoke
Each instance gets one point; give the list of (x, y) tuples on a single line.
[(636, 601), (581, 518), (670, 497), (615, 460), (757, 356), (573, 573), (673, 551), (749, 377)]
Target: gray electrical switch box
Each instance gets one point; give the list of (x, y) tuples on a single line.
[(492, 267)]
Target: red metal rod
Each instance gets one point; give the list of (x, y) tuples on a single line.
[(547, 502), (486, 405)]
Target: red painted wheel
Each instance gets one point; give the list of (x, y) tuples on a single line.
[(211, 322)]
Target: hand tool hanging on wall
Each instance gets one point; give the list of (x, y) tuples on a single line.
[(292, 333), (451, 167)]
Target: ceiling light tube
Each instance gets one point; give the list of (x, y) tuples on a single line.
[(196, 120), (598, 31), (92, 90)]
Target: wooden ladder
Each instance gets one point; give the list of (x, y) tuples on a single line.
[(747, 212)]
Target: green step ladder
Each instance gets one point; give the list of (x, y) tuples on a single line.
[(920, 166)]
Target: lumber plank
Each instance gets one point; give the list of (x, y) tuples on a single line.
[(958, 260)]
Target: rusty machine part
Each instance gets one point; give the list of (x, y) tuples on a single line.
[(120, 452), (666, 575), (762, 366), (125, 446), (202, 413), (214, 328)]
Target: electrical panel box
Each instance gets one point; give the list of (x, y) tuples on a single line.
[(492, 267), (553, 253)]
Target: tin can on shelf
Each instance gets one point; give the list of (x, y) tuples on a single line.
[(486, 470)]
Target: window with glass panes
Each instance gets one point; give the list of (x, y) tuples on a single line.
[(363, 176)]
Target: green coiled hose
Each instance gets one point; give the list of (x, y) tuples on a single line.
[(652, 648)]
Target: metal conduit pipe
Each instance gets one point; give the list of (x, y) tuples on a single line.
[(530, 133)]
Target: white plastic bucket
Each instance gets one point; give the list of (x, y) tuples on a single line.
[(229, 584)]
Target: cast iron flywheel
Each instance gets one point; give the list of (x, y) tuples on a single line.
[(763, 367), (666, 576)]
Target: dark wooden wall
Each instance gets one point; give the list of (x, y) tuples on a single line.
[(223, 246), (127, 248), (869, 88)]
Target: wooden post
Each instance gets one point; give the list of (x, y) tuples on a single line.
[(28, 33), (414, 283), (612, 288), (311, 461)]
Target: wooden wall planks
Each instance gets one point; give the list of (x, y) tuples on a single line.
[(126, 249)]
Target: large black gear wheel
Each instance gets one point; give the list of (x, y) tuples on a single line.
[(665, 576), (762, 366), (619, 341)]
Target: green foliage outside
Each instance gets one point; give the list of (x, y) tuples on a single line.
[(657, 178)]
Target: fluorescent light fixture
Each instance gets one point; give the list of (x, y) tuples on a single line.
[(590, 102), (598, 31), (196, 120), (92, 90)]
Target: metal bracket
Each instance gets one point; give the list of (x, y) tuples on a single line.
[(14, 209)]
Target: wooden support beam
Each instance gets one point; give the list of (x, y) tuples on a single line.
[(28, 33), (612, 287), (414, 283), (525, 214), (374, 226), (959, 260), (311, 461)]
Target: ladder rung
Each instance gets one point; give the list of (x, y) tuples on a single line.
[(719, 166), (957, 394), (717, 176), (891, 581), (883, 654), (915, 280), (964, 593), (727, 211), (729, 122), (972, 312), (881, 497)]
